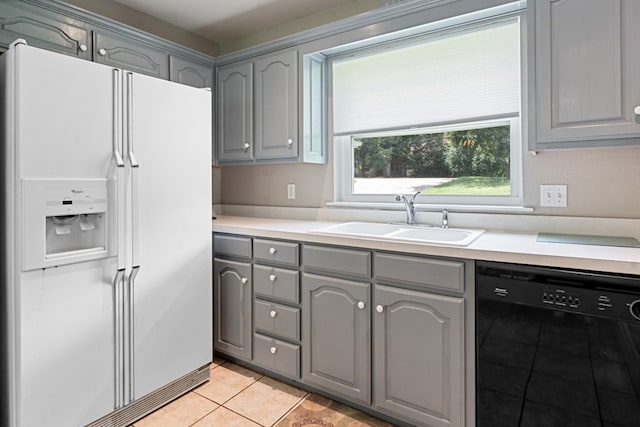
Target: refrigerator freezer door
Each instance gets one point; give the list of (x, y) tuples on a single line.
[(66, 365), (64, 358), (171, 231)]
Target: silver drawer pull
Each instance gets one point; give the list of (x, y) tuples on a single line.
[(246, 146), (361, 305), (83, 47), (289, 142), (637, 110), (272, 277), (273, 350), (102, 52), (379, 308), (273, 313), (244, 280), (272, 251)]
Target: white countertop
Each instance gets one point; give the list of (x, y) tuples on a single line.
[(521, 248)]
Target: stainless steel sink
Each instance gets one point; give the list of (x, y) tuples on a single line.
[(401, 232)]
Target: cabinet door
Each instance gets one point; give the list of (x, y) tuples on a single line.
[(235, 112), (122, 52), (419, 356), (276, 106), (190, 73), (336, 337), (587, 70), (44, 30), (232, 302)]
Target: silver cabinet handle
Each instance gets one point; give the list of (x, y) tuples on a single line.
[(273, 350), (361, 305), (82, 47), (102, 52), (379, 308), (272, 277), (272, 251), (246, 146), (273, 313), (637, 110), (290, 142), (244, 280)]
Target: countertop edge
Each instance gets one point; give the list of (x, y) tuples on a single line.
[(519, 248)]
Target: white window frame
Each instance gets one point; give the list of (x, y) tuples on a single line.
[(343, 160)]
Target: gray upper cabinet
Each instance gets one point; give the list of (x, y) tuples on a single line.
[(190, 73), (336, 350), (67, 29), (419, 357), (258, 109), (233, 299), (276, 106), (234, 95), (587, 90), (122, 52), (43, 29)]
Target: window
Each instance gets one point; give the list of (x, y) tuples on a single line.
[(437, 113)]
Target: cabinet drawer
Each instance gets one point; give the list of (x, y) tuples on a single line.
[(275, 252), (276, 283), (337, 260), (420, 272), (232, 245), (277, 355), (277, 319)]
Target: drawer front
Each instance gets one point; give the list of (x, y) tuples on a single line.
[(420, 272), (276, 283), (277, 319), (275, 252), (277, 355), (232, 245), (337, 260)]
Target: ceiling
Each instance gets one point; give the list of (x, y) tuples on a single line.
[(223, 21)]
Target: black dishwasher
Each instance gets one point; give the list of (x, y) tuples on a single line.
[(556, 347)]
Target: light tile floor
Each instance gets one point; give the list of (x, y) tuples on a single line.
[(234, 397)]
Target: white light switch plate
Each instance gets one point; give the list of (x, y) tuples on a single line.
[(553, 196), (291, 191)]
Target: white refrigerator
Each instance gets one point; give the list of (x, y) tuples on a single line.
[(106, 231)]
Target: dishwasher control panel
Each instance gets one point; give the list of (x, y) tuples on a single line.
[(589, 294)]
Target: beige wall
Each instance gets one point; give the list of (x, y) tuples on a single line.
[(142, 21), (601, 183)]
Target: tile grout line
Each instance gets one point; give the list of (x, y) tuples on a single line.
[(294, 407)]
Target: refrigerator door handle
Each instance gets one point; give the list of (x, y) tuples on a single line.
[(117, 118), (118, 284), (134, 174), (132, 157), (130, 366)]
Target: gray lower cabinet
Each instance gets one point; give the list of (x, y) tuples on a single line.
[(336, 350), (419, 356), (233, 300)]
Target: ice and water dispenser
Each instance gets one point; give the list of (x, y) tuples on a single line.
[(65, 221)]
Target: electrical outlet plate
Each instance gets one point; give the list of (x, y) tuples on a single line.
[(291, 191), (553, 196)]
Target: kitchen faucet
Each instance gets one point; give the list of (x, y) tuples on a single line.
[(409, 204), (445, 218)]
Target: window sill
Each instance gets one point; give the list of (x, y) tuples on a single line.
[(432, 207)]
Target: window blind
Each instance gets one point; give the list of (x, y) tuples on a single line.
[(460, 75)]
